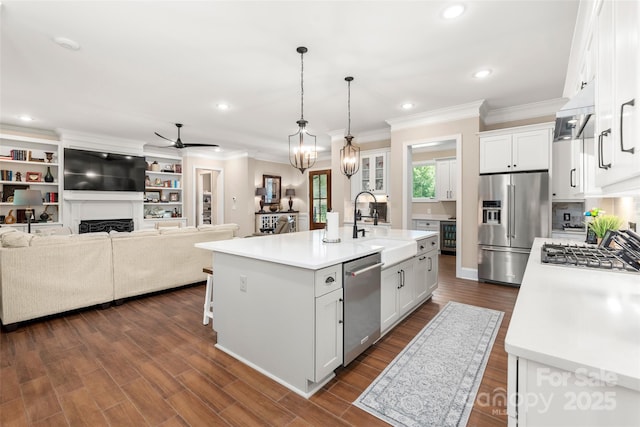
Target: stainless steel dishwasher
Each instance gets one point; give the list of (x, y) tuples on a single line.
[(361, 305)]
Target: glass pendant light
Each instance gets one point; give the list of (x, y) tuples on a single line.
[(302, 145), (349, 154)]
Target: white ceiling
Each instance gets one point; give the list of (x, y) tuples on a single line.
[(144, 65)]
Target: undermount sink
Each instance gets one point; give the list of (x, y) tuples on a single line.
[(394, 250)]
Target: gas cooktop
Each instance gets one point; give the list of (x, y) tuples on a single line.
[(619, 250)]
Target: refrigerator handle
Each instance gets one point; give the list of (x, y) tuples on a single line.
[(512, 211)]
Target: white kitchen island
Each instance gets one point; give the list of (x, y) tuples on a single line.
[(277, 299), (574, 347)]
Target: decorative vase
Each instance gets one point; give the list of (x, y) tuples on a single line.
[(10, 219), (273, 208), (49, 156), (155, 167), (48, 177)]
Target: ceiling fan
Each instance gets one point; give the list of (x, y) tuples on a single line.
[(178, 142)]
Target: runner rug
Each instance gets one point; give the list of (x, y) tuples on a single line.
[(434, 380)]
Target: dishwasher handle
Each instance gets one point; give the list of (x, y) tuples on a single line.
[(363, 270)]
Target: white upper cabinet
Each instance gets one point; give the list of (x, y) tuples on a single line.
[(446, 179), (372, 175), (617, 143), (518, 149)]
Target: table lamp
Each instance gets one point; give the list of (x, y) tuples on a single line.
[(261, 191), (28, 198), (291, 192)]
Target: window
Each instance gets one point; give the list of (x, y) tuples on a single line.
[(424, 181)]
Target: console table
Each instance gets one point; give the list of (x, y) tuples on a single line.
[(266, 221)]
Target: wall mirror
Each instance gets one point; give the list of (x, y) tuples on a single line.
[(272, 184)]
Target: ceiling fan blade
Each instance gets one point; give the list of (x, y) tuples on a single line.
[(170, 140), (200, 145)]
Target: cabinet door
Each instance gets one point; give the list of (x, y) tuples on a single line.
[(406, 294), (531, 150), (562, 172), (432, 271), (421, 275), (604, 95), (329, 333), (626, 130), (495, 154), (390, 285), (443, 180), (365, 177), (379, 174)]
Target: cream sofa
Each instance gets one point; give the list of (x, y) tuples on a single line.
[(44, 275)]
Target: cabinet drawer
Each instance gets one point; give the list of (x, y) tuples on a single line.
[(328, 279), (427, 244), (427, 225)]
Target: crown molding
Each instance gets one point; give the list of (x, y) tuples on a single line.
[(524, 111), (74, 139), (448, 114), (374, 135)]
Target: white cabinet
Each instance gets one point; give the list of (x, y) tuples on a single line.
[(617, 89), (426, 268), (372, 175), (566, 171), (37, 162), (163, 189), (516, 149), (446, 179), (428, 225), (397, 293), (407, 284), (329, 333)]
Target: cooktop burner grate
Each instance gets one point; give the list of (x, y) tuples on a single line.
[(584, 256)]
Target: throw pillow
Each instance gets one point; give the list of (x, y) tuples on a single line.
[(18, 239)]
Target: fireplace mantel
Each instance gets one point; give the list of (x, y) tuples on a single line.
[(101, 205)]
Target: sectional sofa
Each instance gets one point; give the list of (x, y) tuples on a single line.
[(44, 275)]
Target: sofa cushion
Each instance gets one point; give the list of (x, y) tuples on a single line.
[(17, 239), (136, 233), (50, 240), (171, 230), (228, 226), (90, 236)]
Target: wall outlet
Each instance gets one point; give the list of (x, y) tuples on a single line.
[(243, 283), (428, 210)]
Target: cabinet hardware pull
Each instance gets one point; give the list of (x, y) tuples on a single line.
[(329, 280), (601, 164), (430, 263), (631, 104), (422, 258), (572, 173)]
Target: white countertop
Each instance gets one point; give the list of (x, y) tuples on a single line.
[(433, 217), (572, 318), (306, 249)]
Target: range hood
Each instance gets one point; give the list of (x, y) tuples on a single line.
[(575, 115)]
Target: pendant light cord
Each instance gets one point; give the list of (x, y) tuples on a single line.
[(349, 107), (302, 86)]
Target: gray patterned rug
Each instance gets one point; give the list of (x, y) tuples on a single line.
[(434, 380)]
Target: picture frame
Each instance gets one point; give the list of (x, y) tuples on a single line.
[(152, 196), (271, 183), (178, 168), (174, 197), (33, 177)]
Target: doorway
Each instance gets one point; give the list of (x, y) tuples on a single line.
[(319, 198), (207, 198)]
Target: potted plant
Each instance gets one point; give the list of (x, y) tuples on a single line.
[(602, 223)]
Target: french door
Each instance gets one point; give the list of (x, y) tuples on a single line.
[(319, 198)]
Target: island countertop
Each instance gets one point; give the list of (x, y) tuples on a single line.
[(572, 318), (305, 249)]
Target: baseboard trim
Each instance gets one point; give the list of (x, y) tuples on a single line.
[(468, 273)]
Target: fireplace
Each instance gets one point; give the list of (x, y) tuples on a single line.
[(97, 225)]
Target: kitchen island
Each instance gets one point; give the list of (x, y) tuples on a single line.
[(574, 346), (278, 299)]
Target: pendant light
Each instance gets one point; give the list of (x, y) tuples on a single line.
[(349, 154), (302, 145)]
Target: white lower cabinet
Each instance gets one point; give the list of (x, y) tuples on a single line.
[(406, 285), (543, 395), (329, 332)]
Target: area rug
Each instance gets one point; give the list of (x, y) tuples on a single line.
[(434, 380)]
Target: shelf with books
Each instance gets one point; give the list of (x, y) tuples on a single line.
[(30, 163)]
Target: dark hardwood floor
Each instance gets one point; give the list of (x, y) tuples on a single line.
[(151, 361)]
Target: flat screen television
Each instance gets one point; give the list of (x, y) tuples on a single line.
[(100, 171)]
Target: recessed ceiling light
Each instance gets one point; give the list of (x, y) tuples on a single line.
[(67, 43), (481, 74), (26, 118), (453, 11), (222, 106), (407, 106)]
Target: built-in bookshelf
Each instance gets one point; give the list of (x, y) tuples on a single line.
[(34, 164), (163, 197)]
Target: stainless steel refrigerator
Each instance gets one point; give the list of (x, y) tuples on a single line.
[(513, 209)]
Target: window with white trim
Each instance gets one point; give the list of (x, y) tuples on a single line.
[(424, 181)]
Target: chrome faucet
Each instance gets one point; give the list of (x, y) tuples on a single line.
[(355, 214)]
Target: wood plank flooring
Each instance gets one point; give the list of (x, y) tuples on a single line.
[(151, 362)]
